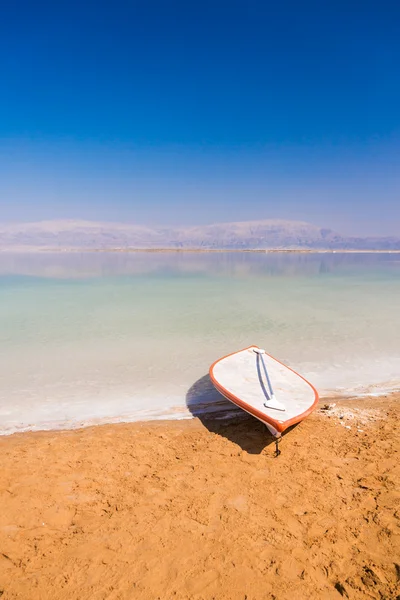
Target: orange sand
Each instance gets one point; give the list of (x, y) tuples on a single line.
[(192, 510)]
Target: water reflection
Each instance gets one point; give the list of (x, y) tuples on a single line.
[(92, 265)]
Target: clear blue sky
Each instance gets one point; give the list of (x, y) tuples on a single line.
[(183, 112)]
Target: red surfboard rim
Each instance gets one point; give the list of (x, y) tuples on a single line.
[(277, 425)]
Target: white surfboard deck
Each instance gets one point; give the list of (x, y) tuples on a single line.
[(241, 378)]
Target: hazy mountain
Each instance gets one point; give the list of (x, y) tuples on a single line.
[(71, 234)]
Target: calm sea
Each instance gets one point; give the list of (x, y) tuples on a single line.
[(88, 338)]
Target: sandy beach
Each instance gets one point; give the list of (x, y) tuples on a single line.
[(204, 510)]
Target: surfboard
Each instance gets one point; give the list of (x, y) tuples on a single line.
[(265, 388)]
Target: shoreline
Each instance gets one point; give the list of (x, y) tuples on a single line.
[(184, 413), (224, 417), (201, 508)]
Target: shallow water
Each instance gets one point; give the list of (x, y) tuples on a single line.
[(103, 337)]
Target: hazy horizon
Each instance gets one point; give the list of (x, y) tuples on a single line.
[(202, 114), (186, 225)]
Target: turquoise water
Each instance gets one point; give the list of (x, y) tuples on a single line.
[(88, 338)]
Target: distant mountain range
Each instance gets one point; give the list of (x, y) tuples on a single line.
[(248, 235)]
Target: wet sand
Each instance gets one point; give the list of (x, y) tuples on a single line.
[(204, 510)]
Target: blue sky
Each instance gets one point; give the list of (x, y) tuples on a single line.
[(180, 112)]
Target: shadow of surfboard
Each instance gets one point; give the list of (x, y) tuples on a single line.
[(222, 417)]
